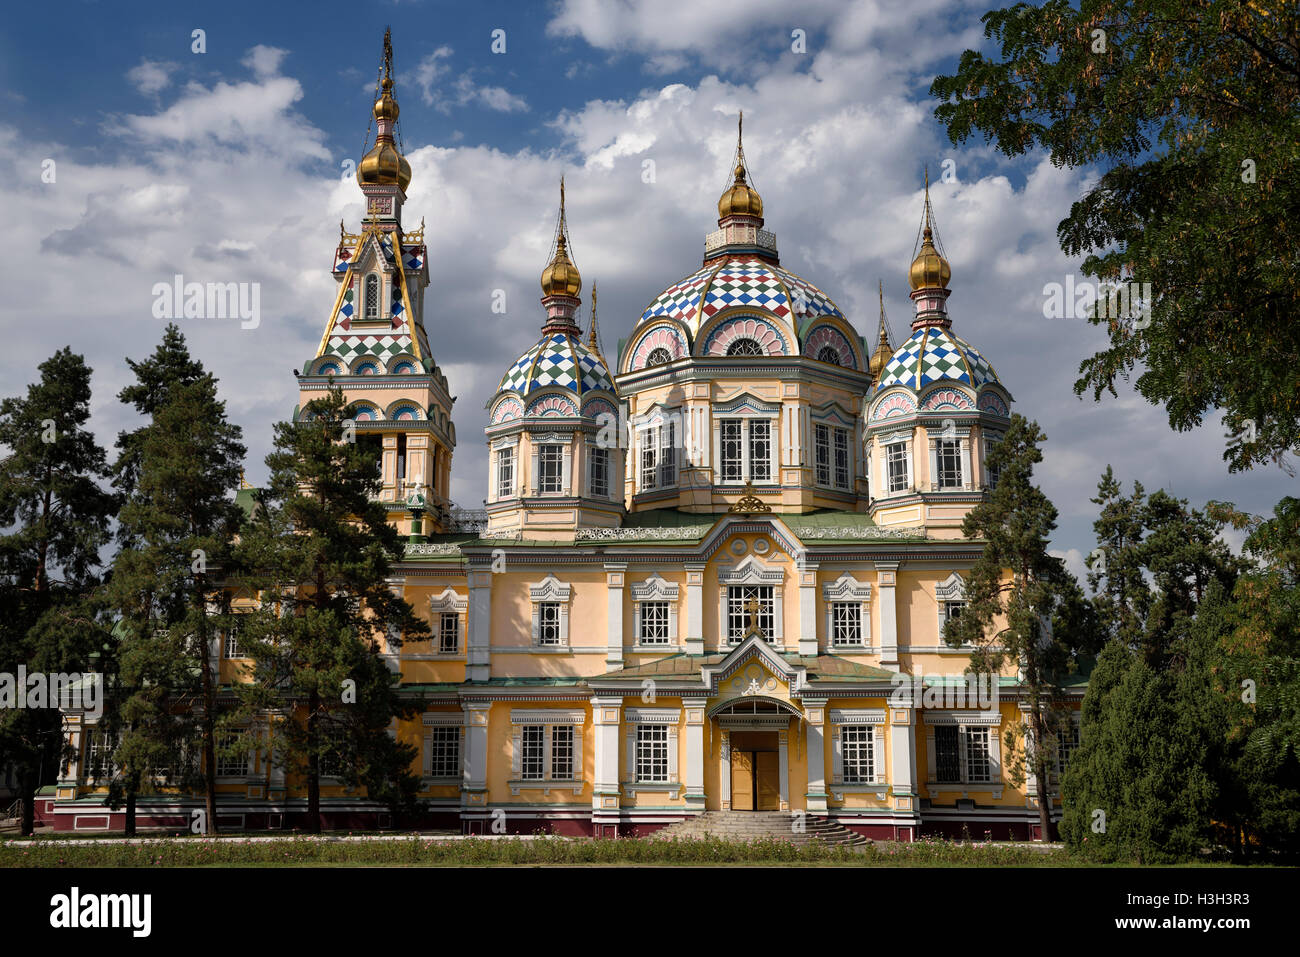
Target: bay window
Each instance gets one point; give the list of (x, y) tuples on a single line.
[(745, 451)]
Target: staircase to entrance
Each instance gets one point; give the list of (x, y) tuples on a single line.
[(759, 825)]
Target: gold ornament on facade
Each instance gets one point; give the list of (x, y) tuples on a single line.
[(749, 503)]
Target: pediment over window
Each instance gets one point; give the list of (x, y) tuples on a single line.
[(846, 588), (550, 589), (952, 588), (751, 571), (447, 602), (655, 588)]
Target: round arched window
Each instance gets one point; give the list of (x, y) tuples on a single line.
[(828, 354), (403, 368), (367, 368), (658, 357), (745, 347)]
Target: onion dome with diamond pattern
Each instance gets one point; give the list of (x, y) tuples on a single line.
[(933, 354)]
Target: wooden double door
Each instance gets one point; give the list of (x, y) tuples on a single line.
[(755, 771)]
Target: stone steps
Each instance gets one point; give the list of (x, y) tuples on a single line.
[(758, 825)]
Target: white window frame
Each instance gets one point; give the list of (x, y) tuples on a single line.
[(550, 456), (888, 443), (752, 572), (987, 441), (235, 768), (505, 472), (566, 463), (961, 435), (983, 725), (366, 315), (549, 720), (847, 589), (550, 591), (655, 589), (636, 718), (596, 454), (658, 439), (857, 721), (949, 594), (449, 602), (449, 724), (746, 441), (231, 644)]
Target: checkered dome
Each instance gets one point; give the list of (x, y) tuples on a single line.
[(748, 282), (934, 354), (557, 361)]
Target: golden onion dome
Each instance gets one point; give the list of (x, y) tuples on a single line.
[(386, 107), (741, 199), (384, 165), (929, 269), (561, 277)]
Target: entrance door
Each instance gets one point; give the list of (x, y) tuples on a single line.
[(742, 780), (755, 771)]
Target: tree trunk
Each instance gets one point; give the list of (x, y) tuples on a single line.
[(313, 823), (1040, 775), (27, 794), (128, 827), (209, 722)]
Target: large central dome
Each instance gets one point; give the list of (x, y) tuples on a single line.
[(745, 282)]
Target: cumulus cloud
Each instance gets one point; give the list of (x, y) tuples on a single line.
[(151, 77), (432, 73), (231, 182)]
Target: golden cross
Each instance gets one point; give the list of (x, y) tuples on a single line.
[(752, 608)]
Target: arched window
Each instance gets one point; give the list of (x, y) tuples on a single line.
[(828, 354), (745, 347), (403, 368), (372, 296), (658, 357), (367, 368)]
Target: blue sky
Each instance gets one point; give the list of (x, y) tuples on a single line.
[(227, 166)]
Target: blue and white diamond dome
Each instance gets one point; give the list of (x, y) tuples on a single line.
[(557, 361), (933, 354)]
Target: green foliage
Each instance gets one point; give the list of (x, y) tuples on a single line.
[(54, 515), (319, 552), (1190, 109), (1046, 623)]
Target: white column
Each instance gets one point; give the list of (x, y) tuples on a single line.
[(694, 609), (694, 708), (614, 581), (474, 792), (783, 739), (902, 758), (887, 578), (478, 657), (814, 719), (808, 609), (605, 714)]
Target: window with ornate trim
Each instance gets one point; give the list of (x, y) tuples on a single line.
[(658, 357), (948, 462), (442, 749), (448, 633), (964, 754), (654, 603), (950, 596), (599, 473), (745, 451), (548, 632), (505, 472), (846, 624), (550, 469), (898, 467), (848, 612), (739, 617), (372, 297), (652, 753), (829, 354), (657, 444), (550, 613), (233, 650), (858, 742), (831, 456), (546, 747), (745, 347), (230, 764), (652, 623), (857, 737), (100, 745), (651, 748)]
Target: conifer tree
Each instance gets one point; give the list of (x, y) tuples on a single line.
[(1115, 573), (55, 518), (319, 552), (1037, 617), (177, 529)]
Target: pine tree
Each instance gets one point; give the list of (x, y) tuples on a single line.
[(319, 552), (177, 529), (55, 515), (1121, 594), (1047, 623)]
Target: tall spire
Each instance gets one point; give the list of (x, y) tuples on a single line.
[(384, 165), (740, 199), (593, 336), (561, 281), (880, 358), (930, 272)]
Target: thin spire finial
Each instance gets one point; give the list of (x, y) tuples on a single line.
[(884, 323), (388, 54), (927, 196), (593, 339)]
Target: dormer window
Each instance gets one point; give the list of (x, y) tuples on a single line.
[(371, 298)]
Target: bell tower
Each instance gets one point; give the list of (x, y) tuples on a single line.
[(375, 345)]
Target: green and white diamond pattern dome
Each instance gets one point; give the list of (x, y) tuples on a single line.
[(934, 354), (749, 282), (558, 361)]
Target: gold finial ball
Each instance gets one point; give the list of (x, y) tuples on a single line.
[(386, 107), (929, 269), (741, 199), (561, 277)]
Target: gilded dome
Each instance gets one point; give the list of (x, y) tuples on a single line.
[(384, 165), (561, 277), (929, 269), (741, 199)]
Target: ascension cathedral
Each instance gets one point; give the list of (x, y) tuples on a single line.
[(709, 564)]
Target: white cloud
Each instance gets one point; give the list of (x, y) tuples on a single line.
[(150, 77), (229, 183), (429, 76), (264, 61)]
